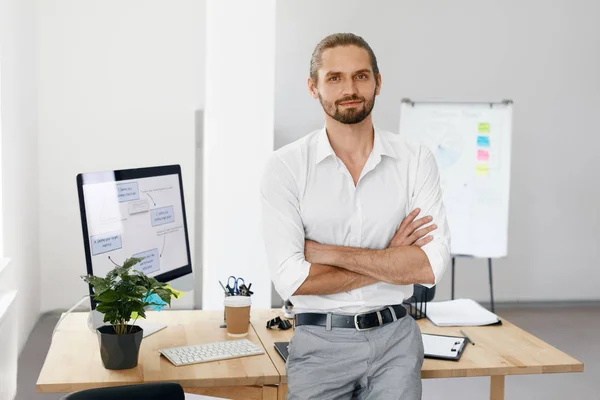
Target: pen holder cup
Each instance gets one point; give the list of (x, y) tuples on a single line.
[(416, 305)]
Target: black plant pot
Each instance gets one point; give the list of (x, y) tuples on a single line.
[(120, 351)]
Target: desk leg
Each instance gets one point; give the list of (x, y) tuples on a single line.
[(269, 393), (282, 391), (497, 387)]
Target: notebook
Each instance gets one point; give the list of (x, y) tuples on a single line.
[(436, 346), (461, 312)]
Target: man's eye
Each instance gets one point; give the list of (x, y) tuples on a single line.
[(361, 76), (334, 78)]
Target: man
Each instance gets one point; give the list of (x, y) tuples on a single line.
[(341, 242)]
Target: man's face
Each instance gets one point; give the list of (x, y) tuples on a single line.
[(346, 86)]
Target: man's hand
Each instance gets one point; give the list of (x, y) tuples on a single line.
[(409, 234)]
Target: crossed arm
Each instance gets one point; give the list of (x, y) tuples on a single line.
[(336, 269), (326, 279)]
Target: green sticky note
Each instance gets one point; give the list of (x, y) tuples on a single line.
[(484, 127), (177, 293)]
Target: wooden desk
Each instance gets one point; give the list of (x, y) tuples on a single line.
[(73, 361), (499, 351)]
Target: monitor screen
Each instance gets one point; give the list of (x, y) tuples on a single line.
[(135, 213)]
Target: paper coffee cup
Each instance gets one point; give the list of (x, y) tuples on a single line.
[(237, 315)]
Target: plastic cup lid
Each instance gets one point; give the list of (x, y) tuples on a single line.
[(238, 301)]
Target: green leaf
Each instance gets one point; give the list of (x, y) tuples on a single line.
[(130, 262), (139, 307), (104, 308), (112, 275), (99, 284), (108, 296), (111, 317), (164, 294), (141, 291)]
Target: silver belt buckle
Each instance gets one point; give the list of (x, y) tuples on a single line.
[(379, 319)]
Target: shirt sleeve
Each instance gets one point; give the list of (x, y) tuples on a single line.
[(283, 231), (428, 197)]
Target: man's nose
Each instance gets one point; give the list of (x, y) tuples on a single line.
[(349, 88)]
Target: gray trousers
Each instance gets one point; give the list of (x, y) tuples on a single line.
[(343, 363)]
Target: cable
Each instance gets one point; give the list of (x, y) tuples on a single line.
[(67, 313)]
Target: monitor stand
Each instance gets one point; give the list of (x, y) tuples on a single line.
[(96, 320), (150, 327)]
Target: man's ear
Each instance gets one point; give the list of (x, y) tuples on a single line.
[(378, 88), (312, 89)]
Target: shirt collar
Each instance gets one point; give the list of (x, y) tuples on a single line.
[(381, 146), (324, 148)]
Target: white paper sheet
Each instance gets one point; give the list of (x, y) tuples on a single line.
[(460, 312)]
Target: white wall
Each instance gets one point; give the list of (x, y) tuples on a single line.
[(20, 158), (238, 139), (545, 56), (8, 345), (119, 82)]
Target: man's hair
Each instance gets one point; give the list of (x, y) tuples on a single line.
[(335, 40)]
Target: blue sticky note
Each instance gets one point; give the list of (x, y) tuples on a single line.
[(483, 141), (158, 305)]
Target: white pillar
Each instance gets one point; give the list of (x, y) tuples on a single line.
[(238, 138)]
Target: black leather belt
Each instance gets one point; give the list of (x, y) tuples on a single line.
[(361, 322)]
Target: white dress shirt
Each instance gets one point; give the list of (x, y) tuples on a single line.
[(308, 193)]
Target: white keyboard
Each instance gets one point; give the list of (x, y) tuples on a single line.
[(206, 352)]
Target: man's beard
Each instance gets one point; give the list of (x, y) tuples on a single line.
[(350, 115)]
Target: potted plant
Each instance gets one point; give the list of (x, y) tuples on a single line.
[(123, 292)]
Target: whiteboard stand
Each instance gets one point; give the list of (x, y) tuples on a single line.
[(493, 308), (471, 143)]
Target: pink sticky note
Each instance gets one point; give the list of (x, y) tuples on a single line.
[(483, 155)]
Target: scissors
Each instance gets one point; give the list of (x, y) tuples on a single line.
[(235, 289)]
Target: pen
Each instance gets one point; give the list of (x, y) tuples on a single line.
[(225, 290), (467, 336)]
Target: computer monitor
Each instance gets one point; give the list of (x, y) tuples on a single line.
[(135, 213)]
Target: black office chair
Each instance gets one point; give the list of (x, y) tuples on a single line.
[(145, 391)]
